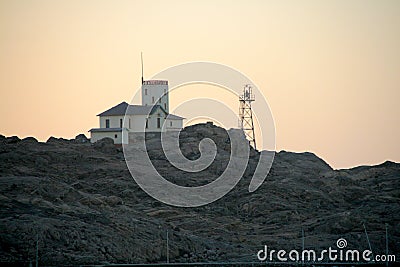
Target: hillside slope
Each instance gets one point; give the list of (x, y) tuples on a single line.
[(84, 206)]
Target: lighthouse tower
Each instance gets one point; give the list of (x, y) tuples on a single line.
[(155, 92)]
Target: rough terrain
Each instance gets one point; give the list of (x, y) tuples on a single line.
[(81, 202)]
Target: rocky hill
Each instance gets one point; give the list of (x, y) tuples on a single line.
[(81, 202)]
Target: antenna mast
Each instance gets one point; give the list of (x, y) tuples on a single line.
[(246, 114), (141, 57)]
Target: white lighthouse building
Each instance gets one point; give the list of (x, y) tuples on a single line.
[(155, 91), (152, 116)]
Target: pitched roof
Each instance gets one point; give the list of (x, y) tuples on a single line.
[(121, 108), (116, 110), (174, 117)]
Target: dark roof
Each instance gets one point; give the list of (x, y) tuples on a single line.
[(116, 110), (120, 109), (174, 117), (105, 130)]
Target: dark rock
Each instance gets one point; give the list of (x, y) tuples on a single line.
[(54, 140), (41, 163), (86, 208), (30, 139), (104, 142), (81, 138), (12, 140), (105, 145)]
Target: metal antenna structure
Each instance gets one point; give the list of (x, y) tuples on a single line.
[(141, 57), (246, 114)]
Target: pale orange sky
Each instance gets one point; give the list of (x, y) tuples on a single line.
[(330, 70)]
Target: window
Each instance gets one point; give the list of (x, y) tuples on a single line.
[(147, 123), (152, 99), (165, 106), (129, 123), (107, 123), (158, 122), (145, 91), (170, 123), (120, 123), (115, 136)]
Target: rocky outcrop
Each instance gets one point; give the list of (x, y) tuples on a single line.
[(81, 138), (80, 201)]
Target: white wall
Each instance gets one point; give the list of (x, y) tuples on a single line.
[(138, 122), (174, 125), (154, 90), (135, 123), (114, 121), (95, 136)]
